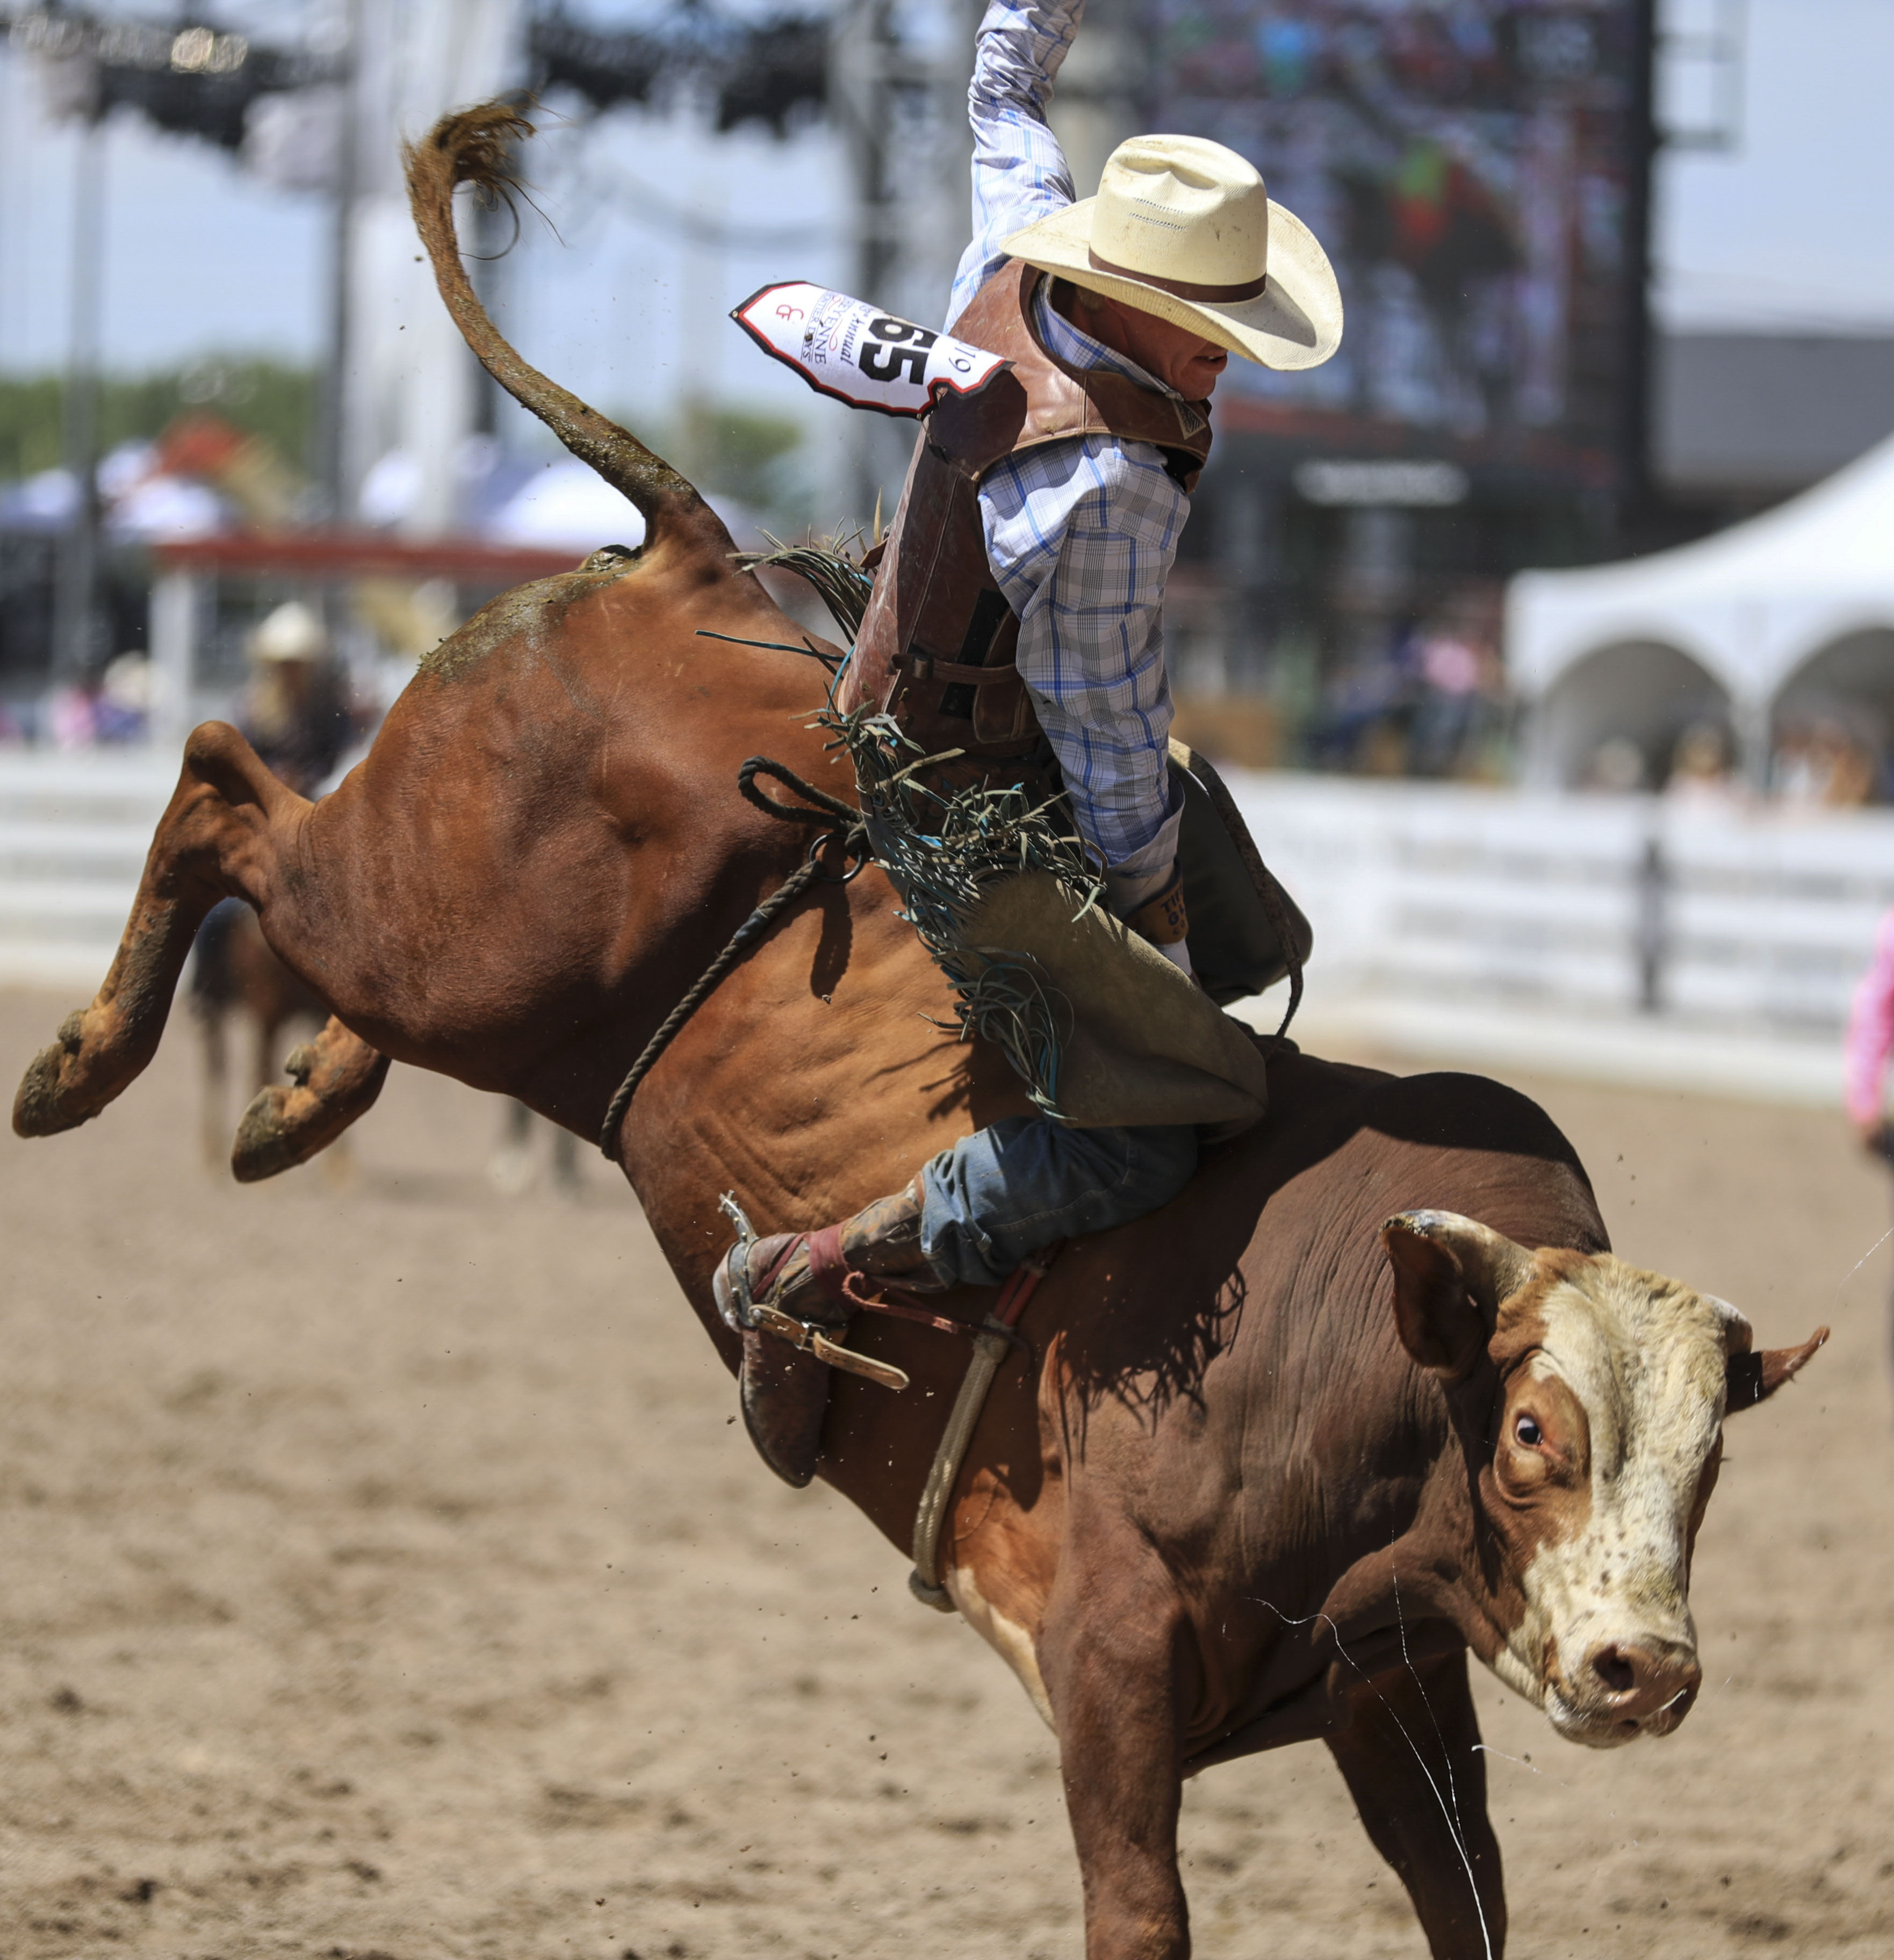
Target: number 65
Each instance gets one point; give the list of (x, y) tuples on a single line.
[(915, 359)]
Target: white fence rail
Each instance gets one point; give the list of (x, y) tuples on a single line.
[(1619, 936), (74, 830), (1625, 936)]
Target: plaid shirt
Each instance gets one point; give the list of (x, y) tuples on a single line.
[(1080, 533)]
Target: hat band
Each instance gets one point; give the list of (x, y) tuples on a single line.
[(1183, 289)]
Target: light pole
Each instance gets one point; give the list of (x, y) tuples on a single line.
[(75, 613), (899, 101), (332, 460)]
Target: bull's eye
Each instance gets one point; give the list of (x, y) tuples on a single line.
[(1528, 1434)]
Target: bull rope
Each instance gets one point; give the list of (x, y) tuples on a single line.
[(840, 824)]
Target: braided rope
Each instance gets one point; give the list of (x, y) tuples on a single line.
[(841, 823), (828, 809)]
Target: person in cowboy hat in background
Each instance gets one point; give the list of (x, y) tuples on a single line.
[(1120, 314)]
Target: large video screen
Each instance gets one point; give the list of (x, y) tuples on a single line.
[(1471, 167)]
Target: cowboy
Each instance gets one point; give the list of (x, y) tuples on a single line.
[(1029, 553)]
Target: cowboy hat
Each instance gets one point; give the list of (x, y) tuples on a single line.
[(292, 632), (1182, 228)]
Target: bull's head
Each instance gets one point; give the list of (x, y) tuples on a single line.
[(1590, 1399)]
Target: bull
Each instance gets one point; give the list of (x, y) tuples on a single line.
[(1373, 1392)]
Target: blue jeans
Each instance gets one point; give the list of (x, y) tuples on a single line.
[(1005, 1192)]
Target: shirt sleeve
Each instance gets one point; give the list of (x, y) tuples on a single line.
[(1020, 172), (1871, 1031), (1081, 534)]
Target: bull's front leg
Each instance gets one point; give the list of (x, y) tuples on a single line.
[(219, 837), (1413, 1764), (1111, 1654)]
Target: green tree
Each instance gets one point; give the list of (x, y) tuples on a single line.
[(753, 457), (264, 396)]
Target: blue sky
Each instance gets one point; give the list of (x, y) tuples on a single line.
[(201, 258), (1795, 229)]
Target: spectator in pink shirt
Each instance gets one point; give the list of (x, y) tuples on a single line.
[(1871, 1041)]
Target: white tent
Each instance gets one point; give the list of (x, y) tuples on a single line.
[(567, 504), (1794, 606)]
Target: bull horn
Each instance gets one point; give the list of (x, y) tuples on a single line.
[(472, 146), (1751, 1377)]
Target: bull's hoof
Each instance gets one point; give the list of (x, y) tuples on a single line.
[(37, 1108), (336, 1077), (266, 1145)]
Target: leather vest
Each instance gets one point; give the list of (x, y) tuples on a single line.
[(937, 645)]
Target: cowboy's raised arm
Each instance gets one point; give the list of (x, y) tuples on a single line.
[(1020, 172)]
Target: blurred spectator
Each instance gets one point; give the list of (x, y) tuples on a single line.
[(1617, 766), (1430, 705), (1869, 1041), (1821, 765), (72, 715), (1359, 714), (122, 709), (112, 705), (297, 712), (1701, 767), (1457, 695)]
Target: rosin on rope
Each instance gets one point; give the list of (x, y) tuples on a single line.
[(854, 351)]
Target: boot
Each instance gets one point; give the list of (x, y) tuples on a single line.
[(802, 1278)]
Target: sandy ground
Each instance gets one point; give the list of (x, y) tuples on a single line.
[(382, 1579)]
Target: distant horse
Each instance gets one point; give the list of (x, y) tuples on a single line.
[(233, 971)]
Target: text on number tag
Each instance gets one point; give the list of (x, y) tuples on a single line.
[(854, 351)]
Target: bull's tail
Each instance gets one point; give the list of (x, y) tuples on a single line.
[(473, 146)]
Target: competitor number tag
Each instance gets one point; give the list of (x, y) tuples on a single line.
[(858, 353)]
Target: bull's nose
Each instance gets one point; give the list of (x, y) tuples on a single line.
[(1646, 1687)]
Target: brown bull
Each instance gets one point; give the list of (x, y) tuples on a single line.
[(1263, 1480)]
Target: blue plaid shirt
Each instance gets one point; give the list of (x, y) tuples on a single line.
[(1080, 533)]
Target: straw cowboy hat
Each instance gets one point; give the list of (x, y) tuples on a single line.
[(1182, 228), (292, 632)]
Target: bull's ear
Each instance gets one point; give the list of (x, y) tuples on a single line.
[(1450, 1274), (1750, 1378)]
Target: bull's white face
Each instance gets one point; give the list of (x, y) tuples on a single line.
[(1608, 1388), (1604, 1453)]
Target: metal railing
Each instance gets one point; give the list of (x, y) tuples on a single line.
[(1569, 913), (1576, 915)]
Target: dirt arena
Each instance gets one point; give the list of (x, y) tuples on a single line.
[(382, 1579)]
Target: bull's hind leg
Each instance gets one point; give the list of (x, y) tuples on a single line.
[(1412, 1762), (227, 821), (337, 1077)]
